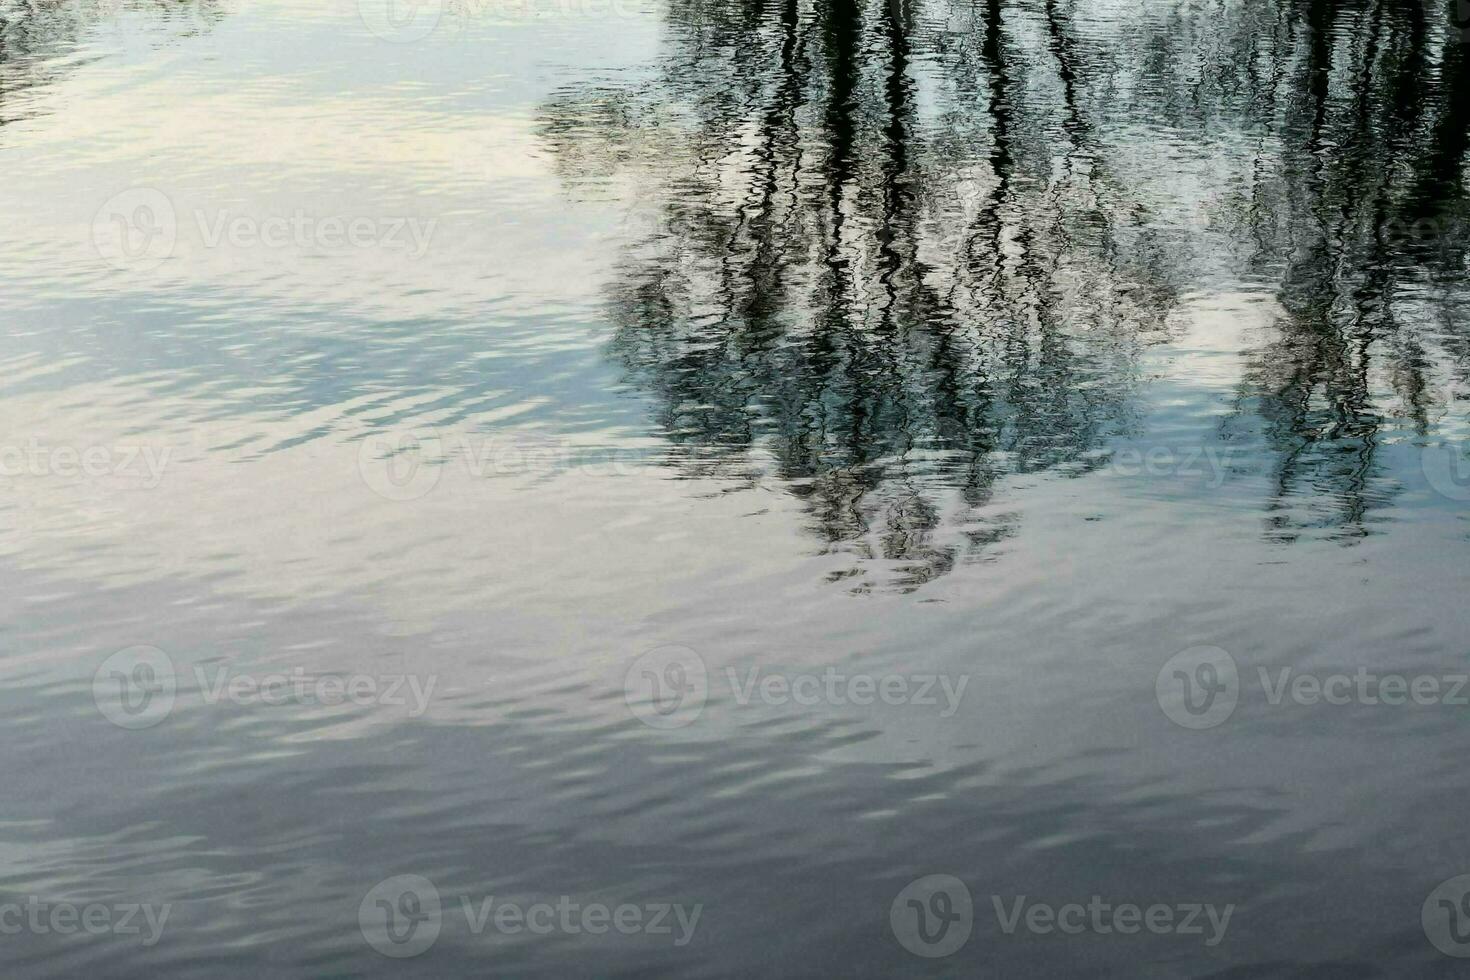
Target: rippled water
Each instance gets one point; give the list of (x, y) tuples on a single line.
[(621, 488)]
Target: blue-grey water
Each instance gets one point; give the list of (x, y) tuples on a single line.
[(697, 488)]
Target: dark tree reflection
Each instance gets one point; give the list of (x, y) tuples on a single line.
[(39, 39), (1367, 238), (900, 252)]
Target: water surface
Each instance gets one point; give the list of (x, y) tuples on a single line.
[(573, 360)]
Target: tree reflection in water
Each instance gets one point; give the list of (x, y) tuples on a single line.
[(899, 252), (39, 39)]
